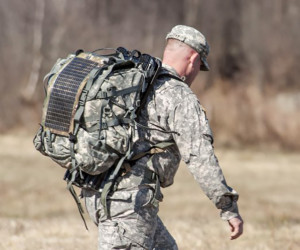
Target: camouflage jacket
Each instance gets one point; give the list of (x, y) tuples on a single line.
[(174, 108)]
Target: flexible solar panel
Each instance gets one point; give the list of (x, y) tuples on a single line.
[(62, 99)]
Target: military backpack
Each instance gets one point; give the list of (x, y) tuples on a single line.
[(90, 109)]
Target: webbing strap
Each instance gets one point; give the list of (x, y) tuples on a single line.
[(102, 124), (72, 152), (79, 113), (48, 140), (117, 121), (158, 148), (110, 123), (165, 73), (79, 206), (149, 87), (83, 98), (152, 176), (73, 139), (109, 183), (102, 78), (103, 95), (156, 129)]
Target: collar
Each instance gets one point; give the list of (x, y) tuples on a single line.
[(172, 71)]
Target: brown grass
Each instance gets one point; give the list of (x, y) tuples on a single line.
[(37, 212)]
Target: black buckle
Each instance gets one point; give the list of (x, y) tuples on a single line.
[(72, 138), (104, 125)]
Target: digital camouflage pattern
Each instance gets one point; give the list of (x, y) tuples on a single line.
[(171, 106), (195, 39), (174, 107), (134, 223), (95, 149)]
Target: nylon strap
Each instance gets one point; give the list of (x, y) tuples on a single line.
[(109, 183), (148, 90), (158, 148), (83, 98), (48, 140), (156, 129), (73, 139), (110, 123), (152, 176), (78, 115), (168, 74), (103, 76), (79, 206), (102, 124), (107, 94)]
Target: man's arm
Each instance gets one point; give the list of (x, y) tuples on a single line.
[(195, 144)]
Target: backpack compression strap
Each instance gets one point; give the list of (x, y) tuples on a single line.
[(113, 175)]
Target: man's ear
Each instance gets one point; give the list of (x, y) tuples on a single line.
[(194, 57)]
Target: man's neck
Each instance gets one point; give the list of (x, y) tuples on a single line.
[(176, 66)]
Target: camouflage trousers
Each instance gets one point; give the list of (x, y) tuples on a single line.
[(133, 223)]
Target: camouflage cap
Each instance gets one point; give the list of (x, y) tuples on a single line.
[(195, 39)]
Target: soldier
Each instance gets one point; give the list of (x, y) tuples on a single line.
[(178, 129)]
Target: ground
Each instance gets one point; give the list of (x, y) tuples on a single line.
[(38, 213)]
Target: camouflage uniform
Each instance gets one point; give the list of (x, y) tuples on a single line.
[(173, 114)]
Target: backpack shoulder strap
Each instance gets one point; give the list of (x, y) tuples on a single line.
[(166, 73), (150, 86)]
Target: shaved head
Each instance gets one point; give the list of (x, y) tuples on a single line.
[(182, 58), (174, 45)]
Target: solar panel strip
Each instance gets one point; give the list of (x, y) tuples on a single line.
[(64, 91)]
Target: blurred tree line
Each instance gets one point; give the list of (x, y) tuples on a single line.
[(252, 93)]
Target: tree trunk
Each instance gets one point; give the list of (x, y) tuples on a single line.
[(29, 90)]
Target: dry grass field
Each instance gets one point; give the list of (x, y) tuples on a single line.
[(37, 212)]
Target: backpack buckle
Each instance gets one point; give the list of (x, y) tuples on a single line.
[(72, 138), (104, 125)]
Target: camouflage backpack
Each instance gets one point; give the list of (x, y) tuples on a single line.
[(90, 109)]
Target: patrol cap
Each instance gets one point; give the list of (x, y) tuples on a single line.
[(195, 39)]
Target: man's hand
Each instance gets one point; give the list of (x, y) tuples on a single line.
[(236, 226)]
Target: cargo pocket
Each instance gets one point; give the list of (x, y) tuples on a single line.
[(131, 235), (144, 197), (146, 217), (111, 236), (134, 217)]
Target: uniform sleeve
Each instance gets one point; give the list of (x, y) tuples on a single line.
[(195, 143)]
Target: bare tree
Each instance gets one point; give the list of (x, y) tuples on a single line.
[(60, 29), (255, 43), (37, 52)]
